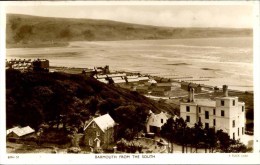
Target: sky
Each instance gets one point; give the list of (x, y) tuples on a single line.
[(232, 16)]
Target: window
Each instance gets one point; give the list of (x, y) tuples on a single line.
[(214, 122), (237, 131), (242, 108), (206, 114), (97, 133), (222, 113), (207, 125), (222, 102), (187, 109), (188, 118), (234, 102), (199, 110), (94, 125), (161, 120), (233, 123), (90, 142), (234, 136), (214, 112), (242, 130)]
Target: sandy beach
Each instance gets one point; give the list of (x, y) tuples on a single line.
[(209, 61)]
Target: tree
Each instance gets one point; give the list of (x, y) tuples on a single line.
[(65, 33), (88, 35), (198, 134), (23, 33), (224, 141), (168, 132), (211, 139)]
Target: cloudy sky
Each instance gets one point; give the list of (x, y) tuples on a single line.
[(234, 16)]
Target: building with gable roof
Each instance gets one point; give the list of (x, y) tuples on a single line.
[(18, 132), (156, 121), (100, 131)]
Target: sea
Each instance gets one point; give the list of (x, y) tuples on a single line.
[(209, 61)]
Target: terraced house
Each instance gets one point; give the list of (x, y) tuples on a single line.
[(225, 113)]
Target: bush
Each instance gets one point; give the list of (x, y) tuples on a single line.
[(74, 150)]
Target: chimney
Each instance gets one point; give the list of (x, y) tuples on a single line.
[(225, 90), (191, 95)]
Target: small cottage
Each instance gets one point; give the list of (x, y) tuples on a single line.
[(165, 86), (100, 131), (156, 121), (157, 91), (18, 132)]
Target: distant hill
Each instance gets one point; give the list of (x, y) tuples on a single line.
[(29, 31)]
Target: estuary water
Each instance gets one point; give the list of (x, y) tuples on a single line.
[(210, 61)]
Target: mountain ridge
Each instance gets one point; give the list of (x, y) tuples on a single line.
[(27, 30)]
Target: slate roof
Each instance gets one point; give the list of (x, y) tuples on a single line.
[(104, 122), (20, 131)]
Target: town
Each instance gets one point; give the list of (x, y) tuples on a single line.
[(207, 119)]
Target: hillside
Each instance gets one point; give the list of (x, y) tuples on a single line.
[(33, 31), (70, 99)]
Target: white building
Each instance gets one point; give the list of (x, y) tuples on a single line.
[(225, 113), (156, 121)]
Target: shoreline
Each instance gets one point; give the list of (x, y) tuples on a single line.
[(78, 70), (67, 43)]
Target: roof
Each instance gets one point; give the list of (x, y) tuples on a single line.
[(132, 80), (117, 75), (132, 77), (143, 78), (227, 97), (104, 122), (205, 102), (20, 131), (141, 87), (164, 84), (101, 76), (118, 80), (185, 83), (159, 115), (10, 130), (103, 80), (152, 81), (194, 85)]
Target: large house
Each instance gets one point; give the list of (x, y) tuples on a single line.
[(225, 113), (100, 131), (156, 121)]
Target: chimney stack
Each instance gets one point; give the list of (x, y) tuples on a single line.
[(225, 90), (191, 95)]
